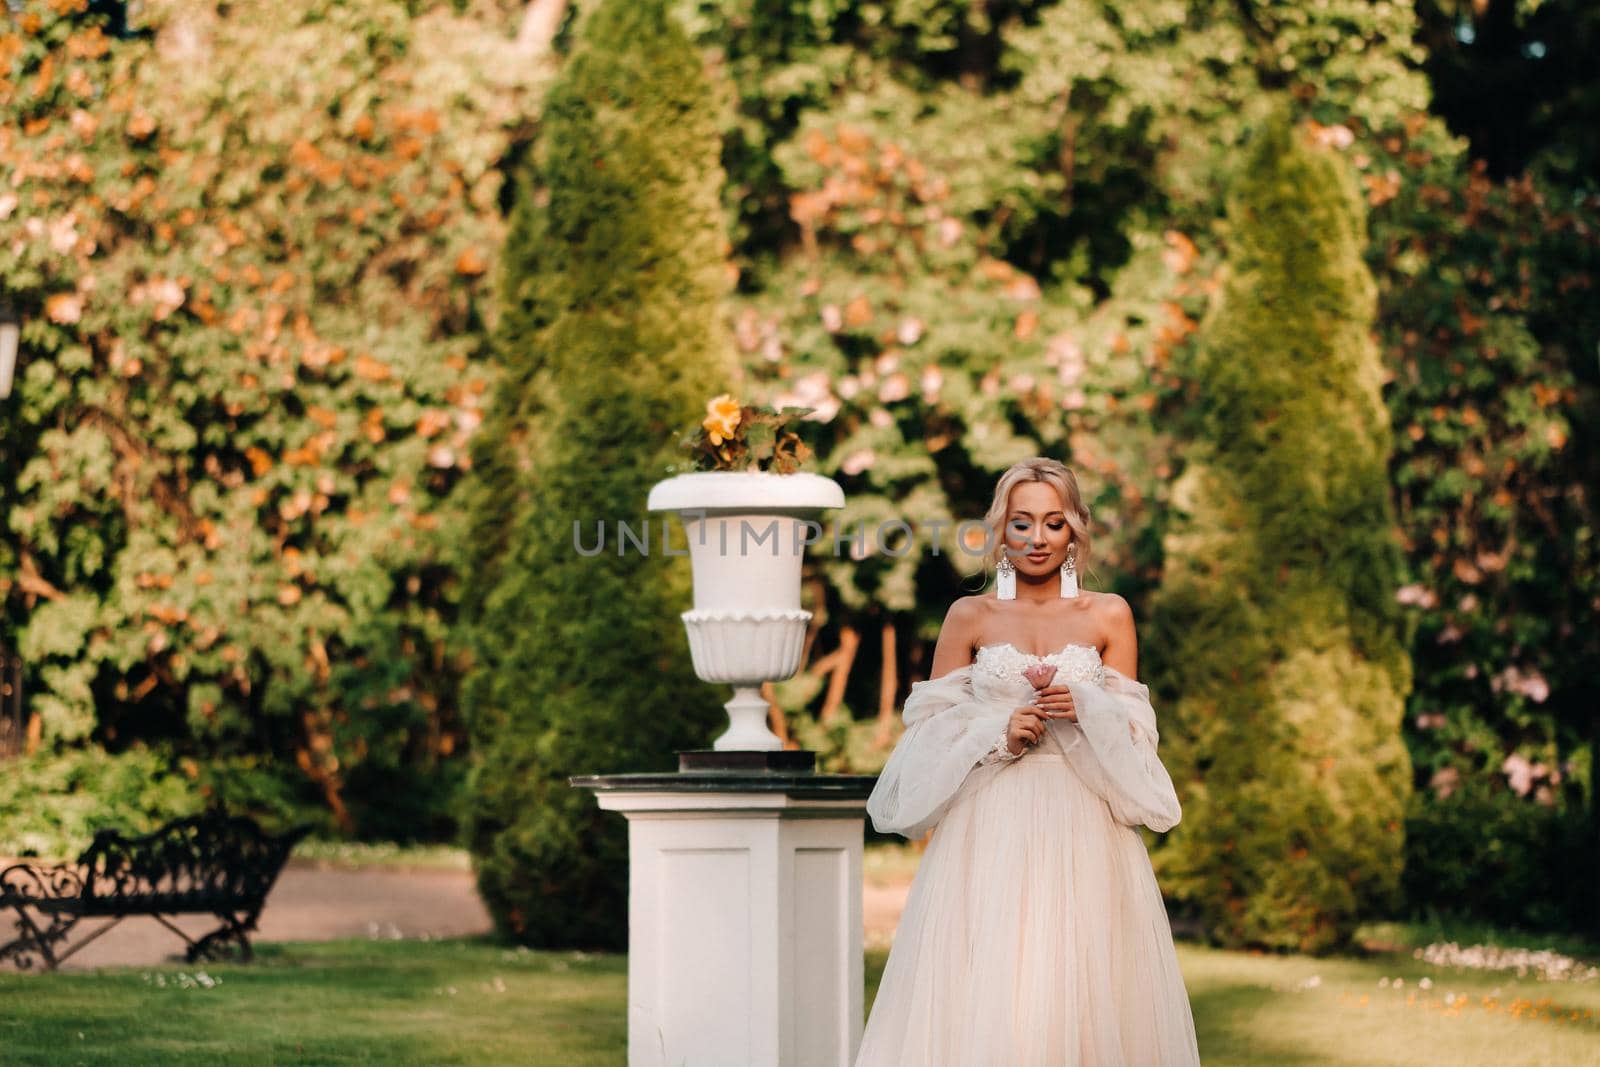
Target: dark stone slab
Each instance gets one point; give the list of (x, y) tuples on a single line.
[(803, 785), (785, 760)]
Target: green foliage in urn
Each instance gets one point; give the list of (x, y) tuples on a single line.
[(1287, 660), (611, 330), (746, 437)]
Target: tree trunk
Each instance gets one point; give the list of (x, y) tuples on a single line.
[(776, 720), (849, 641), (888, 687), (540, 24)]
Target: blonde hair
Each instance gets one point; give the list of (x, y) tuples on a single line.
[(1059, 477)]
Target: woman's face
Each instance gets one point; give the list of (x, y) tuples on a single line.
[(1036, 534)]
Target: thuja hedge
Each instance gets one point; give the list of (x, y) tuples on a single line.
[(611, 340), (1285, 656)]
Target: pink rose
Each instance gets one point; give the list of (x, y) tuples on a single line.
[(1039, 674)]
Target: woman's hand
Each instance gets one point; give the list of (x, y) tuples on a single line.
[(1056, 702), (1025, 728)]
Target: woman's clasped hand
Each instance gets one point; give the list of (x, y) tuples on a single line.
[(1026, 726)]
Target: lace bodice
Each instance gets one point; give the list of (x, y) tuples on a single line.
[(1004, 663), (997, 674)]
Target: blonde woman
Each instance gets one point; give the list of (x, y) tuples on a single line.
[(1034, 933)]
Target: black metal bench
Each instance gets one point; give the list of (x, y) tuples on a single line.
[(208, 864)]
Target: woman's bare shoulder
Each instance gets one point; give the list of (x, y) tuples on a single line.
[(958, 635), (968, 609), (1111, 607)]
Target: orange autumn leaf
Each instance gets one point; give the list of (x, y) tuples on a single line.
[(858, 312), (1180, 252), (47, 73), (64, 308), (166, 613), (141, 124), (373, 370), (818, 147), (88, 44), (995, 270), (260, 461), (1027, 323), (853, 140), (1381, 188), (432, 422), (470, 263)]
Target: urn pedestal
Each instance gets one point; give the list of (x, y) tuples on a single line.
[(744, 915)]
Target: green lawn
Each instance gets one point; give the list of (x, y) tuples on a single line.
[(470, 1002)]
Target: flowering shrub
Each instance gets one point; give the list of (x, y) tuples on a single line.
[(252, 362)]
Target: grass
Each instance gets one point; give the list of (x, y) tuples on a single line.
[(468, 1001), (890, 862), (461, 1001), (355, 855), (1296, 1011)]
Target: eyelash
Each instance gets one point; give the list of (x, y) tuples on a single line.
[(1020, 525)]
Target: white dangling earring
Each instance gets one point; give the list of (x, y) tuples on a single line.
[(1005, 579), (1069, 573)]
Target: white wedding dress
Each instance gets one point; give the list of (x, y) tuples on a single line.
[(1034, 934)]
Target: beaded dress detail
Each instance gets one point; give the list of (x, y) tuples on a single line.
[(1034, 933)]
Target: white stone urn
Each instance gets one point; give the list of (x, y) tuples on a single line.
[(746, 535)]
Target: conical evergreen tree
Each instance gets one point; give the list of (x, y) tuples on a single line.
[(610, 342), (1281, 644)]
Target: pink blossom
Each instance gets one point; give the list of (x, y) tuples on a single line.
[(858, 461), (1039, 674), (1531, 685), (1519, 773), (1416, 594), (811, 391), (895, 387)]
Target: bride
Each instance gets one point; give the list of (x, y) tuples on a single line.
[(1034, 933)]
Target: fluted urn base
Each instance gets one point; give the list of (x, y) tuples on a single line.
[(745, 649)]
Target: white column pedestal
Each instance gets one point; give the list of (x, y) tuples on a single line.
[(744, 916)]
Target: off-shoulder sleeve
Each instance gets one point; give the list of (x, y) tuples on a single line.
[(948, 732), (1113, 749)]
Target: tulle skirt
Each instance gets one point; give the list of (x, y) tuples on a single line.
[(1034, 935)]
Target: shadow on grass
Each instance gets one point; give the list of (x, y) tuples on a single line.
[(1224, 1027)]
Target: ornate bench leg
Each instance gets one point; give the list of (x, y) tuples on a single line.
[(31, 941), (233, 931), (47, 890)]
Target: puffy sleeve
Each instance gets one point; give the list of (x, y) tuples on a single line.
[(1113, 749), (948, 734)]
